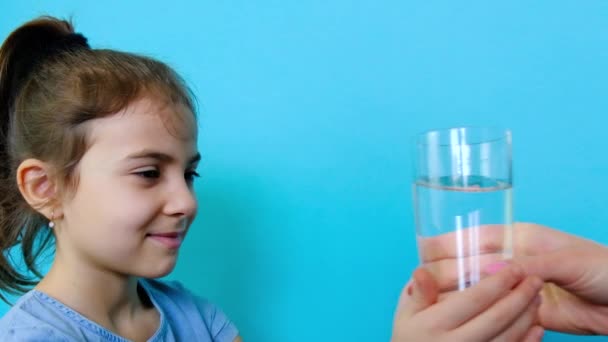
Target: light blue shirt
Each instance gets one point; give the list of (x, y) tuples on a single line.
[(184, 317)]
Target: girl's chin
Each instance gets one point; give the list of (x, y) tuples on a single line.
[(159, 270)]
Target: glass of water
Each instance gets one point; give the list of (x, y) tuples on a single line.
[(463, 202)]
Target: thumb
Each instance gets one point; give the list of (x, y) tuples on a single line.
[(562, 267), (581, 271), (420, 293)]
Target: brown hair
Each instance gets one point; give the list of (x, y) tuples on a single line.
[(51, 84)]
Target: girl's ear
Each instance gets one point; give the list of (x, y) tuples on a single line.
[(37, 186)]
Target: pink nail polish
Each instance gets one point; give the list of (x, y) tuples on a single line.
[(495, 267)]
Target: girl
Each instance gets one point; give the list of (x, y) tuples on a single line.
[(98, 152)]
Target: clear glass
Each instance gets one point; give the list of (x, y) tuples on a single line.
[(463, 202)]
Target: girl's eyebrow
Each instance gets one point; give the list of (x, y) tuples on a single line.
[(160, 156)]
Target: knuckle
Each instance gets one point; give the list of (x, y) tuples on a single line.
[(490, 246), (532, 286), (513, 275)]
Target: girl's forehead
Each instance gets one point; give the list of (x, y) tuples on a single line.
[(146, 123), (177, 118)]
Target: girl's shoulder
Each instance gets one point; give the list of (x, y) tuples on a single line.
[(29, 320), (181, 306)]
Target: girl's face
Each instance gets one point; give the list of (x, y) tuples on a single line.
[(134, 200)]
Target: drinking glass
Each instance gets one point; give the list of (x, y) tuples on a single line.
[(463, 194)]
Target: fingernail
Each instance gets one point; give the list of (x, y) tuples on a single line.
[(540, 333), (414, 288), (495, 267)]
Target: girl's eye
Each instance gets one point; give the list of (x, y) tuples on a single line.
[(191, 175), (149, 174)]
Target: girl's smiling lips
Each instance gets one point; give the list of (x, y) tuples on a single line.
[(171, 240)]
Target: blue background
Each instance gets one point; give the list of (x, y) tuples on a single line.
[(308, 111)]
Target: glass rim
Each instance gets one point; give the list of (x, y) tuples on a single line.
[(496, 133)]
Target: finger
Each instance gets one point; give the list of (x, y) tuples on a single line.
[(448, 287), (418, 295), (497, 318), (463, 306), (562, 267), (533, 239), (457, 274), (462, 243), (522, 324), (575, 269), (444, 295), (528, 239), (534, 335)]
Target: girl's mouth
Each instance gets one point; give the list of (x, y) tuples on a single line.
[(170, 240)]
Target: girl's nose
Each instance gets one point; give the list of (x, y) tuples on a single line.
[(180, 200)]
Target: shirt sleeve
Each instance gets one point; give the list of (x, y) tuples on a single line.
[(19, 326), (222, 329), (30, 334)]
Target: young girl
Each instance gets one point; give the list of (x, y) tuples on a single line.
[(98, 152)]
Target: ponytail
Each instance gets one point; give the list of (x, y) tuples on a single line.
[(21, 54)]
